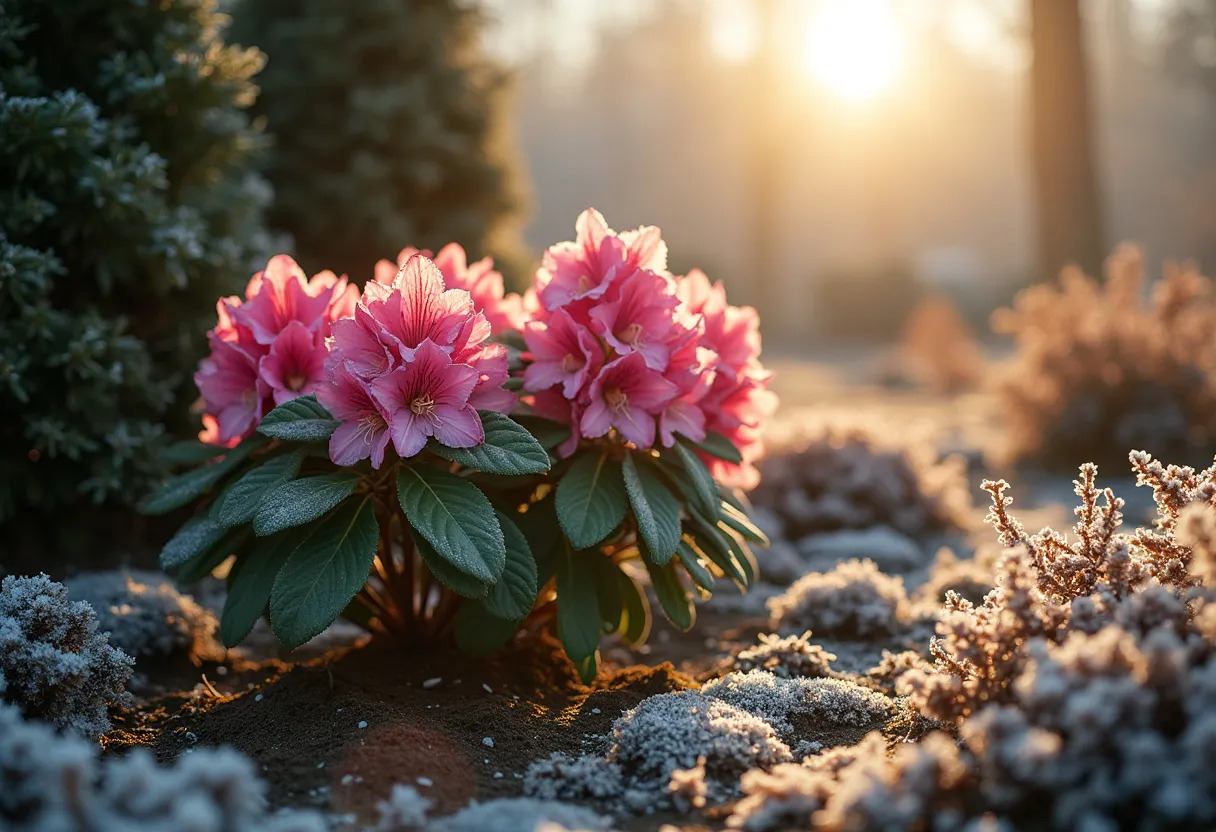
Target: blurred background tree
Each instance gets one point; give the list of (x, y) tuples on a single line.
[(1067, 204), (387, 130), (127, 207)]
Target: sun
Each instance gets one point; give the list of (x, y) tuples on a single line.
[(853, 47)]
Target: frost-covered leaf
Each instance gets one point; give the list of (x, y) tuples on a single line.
[(508, 449), (591, 500), (717, 445), (515, 593), (455, 518), (464, 585), (324, 572), (302, 419), (183, 488), (251, 581), (240, 502), (657, 512), (578, 617), (194, 538), (299, 501)]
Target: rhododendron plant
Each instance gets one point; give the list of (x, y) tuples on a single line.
[(433, 458)]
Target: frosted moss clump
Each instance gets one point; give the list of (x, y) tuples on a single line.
[(673, 731), (659, 743), (54, 665), (404, 811), (522, 814), (818, 704), (844, 479), (563, 777), (56, 782), (789, 657), (854, 599), (144, 614)]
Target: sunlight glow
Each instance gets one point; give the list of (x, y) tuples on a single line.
[(854, 48)]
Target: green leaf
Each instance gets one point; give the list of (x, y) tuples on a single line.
[(741, 554), (195, 537), (200, 567), (655, 509), (252, 579), (623, 605), (302, 419), (455, 518), (547, 432), (716, 549), (591, 500), (697, 570), (715, 444), (185, 487), (674, 600), (742, 524), (514, 595), (578, 617), (586, 669), (508, 449), (479, 631), (324, 572), (241, 501), (299, 501), (699, 488), (463, 585), (539, 524), (191, 452)]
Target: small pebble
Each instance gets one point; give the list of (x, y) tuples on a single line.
[(432, 683), (321, 764), (425, 781), (595, 710), (347, 779), (258, 698), (221, 671), (498, 775), (363, 723), (488, 742), (486, 688)]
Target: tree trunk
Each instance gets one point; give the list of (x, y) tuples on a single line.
[(1065, 169)]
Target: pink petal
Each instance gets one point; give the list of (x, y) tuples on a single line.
[(458, 427)]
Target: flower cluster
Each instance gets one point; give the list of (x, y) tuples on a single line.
[(269, 348), (617, 343), (414, 361), (505, 312)]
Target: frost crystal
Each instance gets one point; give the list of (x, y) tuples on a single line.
[(144, 614), (854, 599), (54, 665)]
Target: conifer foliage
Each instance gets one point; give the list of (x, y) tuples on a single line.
[(127, 205), (384, 119)]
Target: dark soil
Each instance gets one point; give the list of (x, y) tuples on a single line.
[(302, 723)]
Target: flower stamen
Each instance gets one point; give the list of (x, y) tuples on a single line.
[(616, 398)]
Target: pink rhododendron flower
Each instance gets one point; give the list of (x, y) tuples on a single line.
[(363, 431), (618, 343), (295, 364), (413, 361), (626, 395), (429, 396), (503, 311), (587, 267), (640, 319), (562, 353), (269, 347)]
